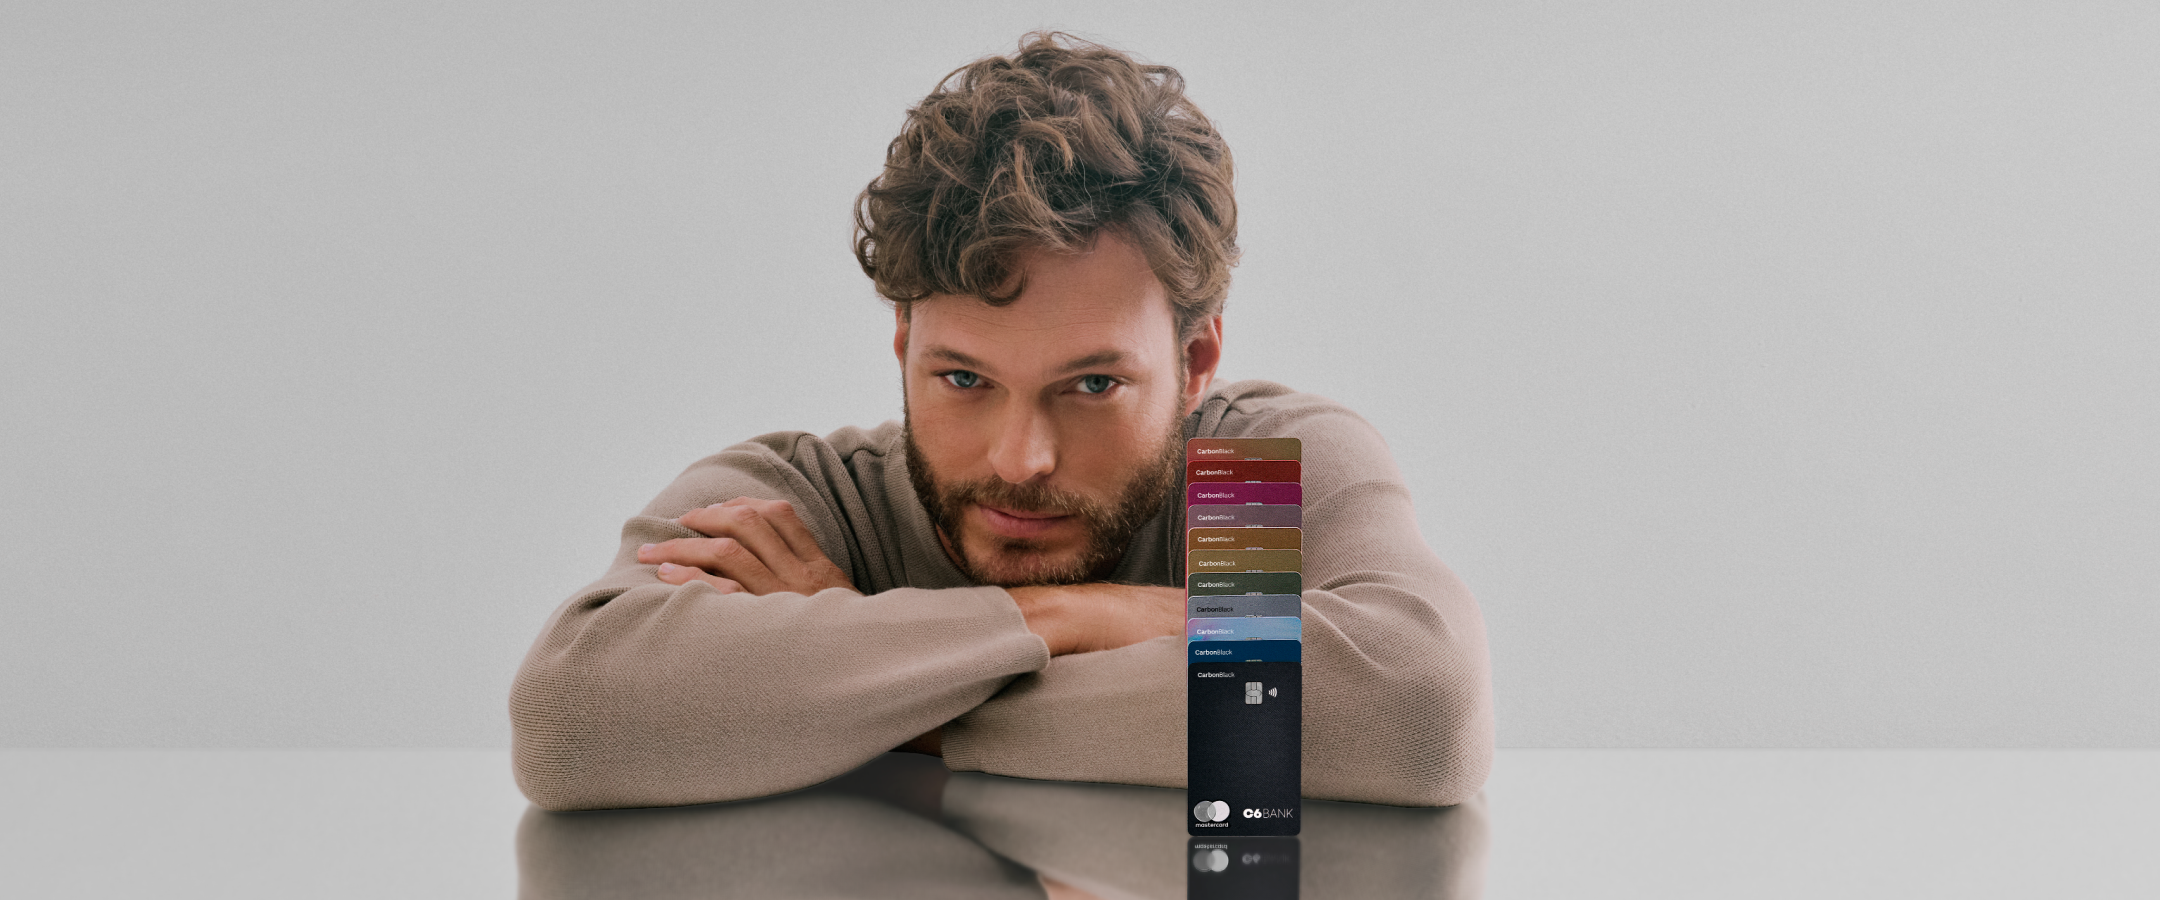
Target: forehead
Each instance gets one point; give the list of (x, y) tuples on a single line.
[(1071, 304)]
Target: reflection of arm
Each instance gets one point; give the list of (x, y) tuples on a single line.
[(830, 841), (1397, 704), (640, 693)]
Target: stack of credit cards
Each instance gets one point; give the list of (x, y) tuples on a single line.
[(1244, 672)]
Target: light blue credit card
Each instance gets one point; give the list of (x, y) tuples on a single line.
[(1244, 628)]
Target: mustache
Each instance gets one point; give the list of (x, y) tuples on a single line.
[(1036, 499)]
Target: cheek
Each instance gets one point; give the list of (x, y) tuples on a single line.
[(1104, 450), (945, 432)]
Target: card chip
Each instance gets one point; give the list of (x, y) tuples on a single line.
[(1252, 692)]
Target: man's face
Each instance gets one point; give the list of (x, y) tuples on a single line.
[(1042, 434)]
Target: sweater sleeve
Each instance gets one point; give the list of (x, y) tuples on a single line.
[(1397, 686), (642, 693)]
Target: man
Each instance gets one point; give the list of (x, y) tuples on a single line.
[(999, 579)]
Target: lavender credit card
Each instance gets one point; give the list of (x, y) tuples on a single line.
[(1239, 515)]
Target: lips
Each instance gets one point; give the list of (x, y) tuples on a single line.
[(1019, 523)]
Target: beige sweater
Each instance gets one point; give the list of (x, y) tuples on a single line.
[(641, 693)]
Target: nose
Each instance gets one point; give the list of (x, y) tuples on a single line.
[(1025, 447)]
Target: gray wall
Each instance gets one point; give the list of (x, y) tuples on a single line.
[(1775, 378)]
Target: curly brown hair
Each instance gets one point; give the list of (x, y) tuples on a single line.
[(1050, 147)]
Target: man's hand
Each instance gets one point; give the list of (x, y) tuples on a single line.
[(754, 546), (1077, 618)]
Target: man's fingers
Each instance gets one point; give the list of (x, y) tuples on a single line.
[(780, 515), (725, 557), (761, 544), (744, 521), (674, 574), (791, 528)]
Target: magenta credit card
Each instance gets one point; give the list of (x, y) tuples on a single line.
[(1218, 492)]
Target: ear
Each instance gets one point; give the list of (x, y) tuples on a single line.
[(899, 335), (1202, 354)]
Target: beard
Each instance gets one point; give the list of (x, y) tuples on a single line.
[(1107, 527)]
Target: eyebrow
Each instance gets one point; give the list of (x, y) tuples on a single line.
[(1100, 358)]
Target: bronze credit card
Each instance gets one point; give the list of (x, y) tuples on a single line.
[(1243, 538), (1244, 448)]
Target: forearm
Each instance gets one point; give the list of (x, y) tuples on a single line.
[(665, 695), (1084, 618), (1110, 716), (1397, 706)]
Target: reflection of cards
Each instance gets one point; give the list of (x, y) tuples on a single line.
[(1242, 868)]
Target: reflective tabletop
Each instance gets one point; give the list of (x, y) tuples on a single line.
[(1664, 823)]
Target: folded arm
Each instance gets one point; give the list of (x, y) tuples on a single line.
[(652, 689), (661, 695)]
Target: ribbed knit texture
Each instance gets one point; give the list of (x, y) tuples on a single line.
[(641, 693)]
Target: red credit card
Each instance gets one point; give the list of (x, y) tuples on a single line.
[(1242, 470)]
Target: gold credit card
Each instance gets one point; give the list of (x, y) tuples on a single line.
[(1244, 561)]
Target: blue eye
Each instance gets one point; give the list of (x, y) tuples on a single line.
[(962, 378), (1096, 384)]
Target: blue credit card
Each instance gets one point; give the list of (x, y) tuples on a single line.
[(1244, 605), (1244, 628), (1202, 652)]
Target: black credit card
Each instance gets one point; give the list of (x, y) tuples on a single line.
[(1243, 758)]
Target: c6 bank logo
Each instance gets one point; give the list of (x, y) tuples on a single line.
[(1270, 813)]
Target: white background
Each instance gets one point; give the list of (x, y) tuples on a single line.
[(1775, 378)]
